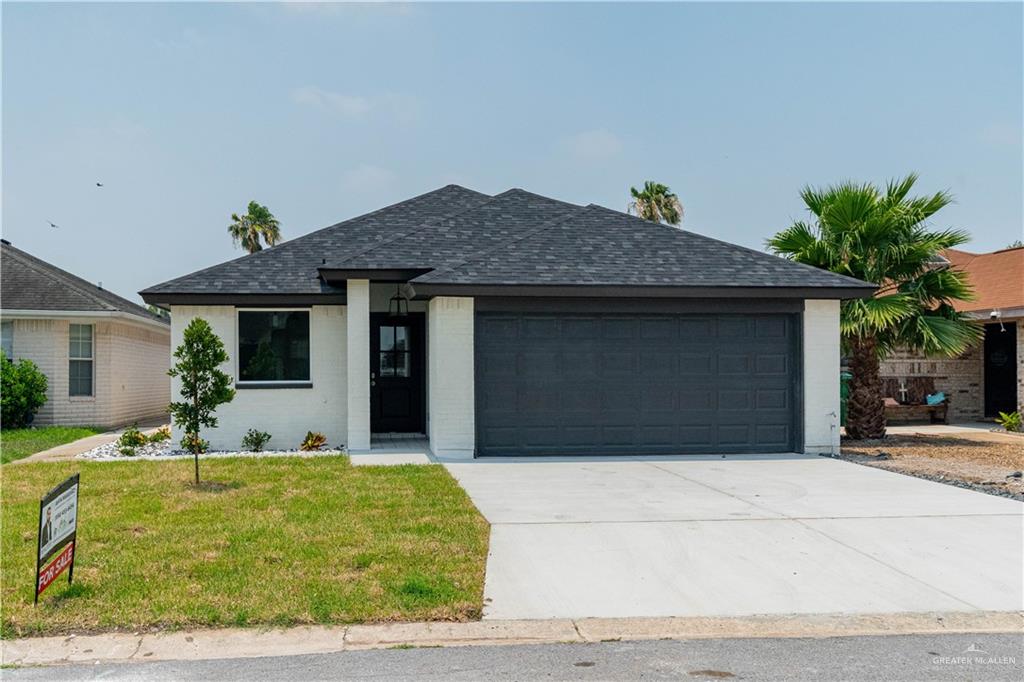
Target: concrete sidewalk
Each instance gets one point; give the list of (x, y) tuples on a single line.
[(76, 447), (251, 643)]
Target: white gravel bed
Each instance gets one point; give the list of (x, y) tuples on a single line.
[(166, 450)]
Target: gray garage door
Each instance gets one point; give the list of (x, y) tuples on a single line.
[(549, 384)]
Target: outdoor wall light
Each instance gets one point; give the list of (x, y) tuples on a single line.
[(398, 306)]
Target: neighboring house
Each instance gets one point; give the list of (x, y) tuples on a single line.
[(105, 358), (988, 378), (533, 327)]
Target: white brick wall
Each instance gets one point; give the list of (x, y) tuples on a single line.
[(286, 413), (130, 362), (358, 354), (451, 424), (821, 376)]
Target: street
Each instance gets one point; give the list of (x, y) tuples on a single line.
[(898, 657)]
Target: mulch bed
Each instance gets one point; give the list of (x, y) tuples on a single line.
[(986, 465)]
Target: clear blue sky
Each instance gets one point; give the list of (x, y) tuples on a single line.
[(187, 111)]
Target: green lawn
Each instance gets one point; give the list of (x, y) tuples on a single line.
[(19, 443), (274, 541)]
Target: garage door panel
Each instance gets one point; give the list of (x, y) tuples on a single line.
[(735, 399), (772, 363), (695, 364), (634, 384)]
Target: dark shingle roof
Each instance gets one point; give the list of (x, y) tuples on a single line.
[(464, 237), (599, 246), (28, 283), (292, 267)]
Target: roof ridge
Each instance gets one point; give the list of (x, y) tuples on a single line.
[(482, 252), (732, 245), (288, 243), (79, 284), (421, 226)]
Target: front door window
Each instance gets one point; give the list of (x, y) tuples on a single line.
[(394, 351)]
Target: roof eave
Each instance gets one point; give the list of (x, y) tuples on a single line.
[(426, 290)]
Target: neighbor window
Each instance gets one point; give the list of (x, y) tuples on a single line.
[(80, 358), (7, 338), (273, 345)]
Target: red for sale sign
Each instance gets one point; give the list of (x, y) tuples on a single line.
[(58, 534), (56, 567)]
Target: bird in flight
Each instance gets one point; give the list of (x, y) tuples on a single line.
[(52, 224), (99, 184)]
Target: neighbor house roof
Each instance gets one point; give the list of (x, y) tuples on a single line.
[(30, 284), (454, 238), (997, 278)]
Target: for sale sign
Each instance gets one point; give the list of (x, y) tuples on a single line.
[(58, 525)]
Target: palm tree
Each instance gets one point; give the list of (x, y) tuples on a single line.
[(884, 238), (257, 223), (657, 203)]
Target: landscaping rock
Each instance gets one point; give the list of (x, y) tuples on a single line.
[(166, 450)]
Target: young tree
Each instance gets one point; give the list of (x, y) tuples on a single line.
[(656, 202), (258, 222), (203, 385), (883, 238)]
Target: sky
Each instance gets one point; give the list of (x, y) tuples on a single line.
[(186, 112)]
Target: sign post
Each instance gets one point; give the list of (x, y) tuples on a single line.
[(58, 526)]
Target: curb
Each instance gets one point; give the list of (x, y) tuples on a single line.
[(250, 643)]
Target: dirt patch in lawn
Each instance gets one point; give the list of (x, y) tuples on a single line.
[(978, 462)]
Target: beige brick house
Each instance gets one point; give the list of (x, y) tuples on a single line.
[(105, 358), (988, 378)]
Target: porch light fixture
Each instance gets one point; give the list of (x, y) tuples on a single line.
[(398, 306)]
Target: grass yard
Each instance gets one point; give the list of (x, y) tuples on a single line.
[(274, 541), (19, 443)]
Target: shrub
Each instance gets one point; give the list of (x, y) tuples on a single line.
[(196, 445), (254, 440), (160, 435), (1011, 421), (314, 440), (22, 392), (130, 439)]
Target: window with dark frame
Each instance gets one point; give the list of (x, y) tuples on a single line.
[(394, 351), (80, 360), (273, 346)]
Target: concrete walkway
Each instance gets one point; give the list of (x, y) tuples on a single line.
[(970, 430), (737, 536), (251, 643), (77, 447)]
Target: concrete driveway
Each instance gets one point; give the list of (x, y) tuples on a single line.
[(714, 536)]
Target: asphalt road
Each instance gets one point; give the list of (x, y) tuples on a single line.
[(903, 657)]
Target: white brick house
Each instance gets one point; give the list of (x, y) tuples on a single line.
[(104, 357), (522, 325)]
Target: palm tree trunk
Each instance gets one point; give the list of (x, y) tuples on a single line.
[(865, 408)]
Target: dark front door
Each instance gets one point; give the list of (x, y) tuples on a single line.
[(1000, 368), (396, 373)]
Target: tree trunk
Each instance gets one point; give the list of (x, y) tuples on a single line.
[(865, 407), (195, 441)]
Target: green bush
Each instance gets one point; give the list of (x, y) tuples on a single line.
[(1011, 421), (160, 435), (22, 391), (130, 439), (254, 440)]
